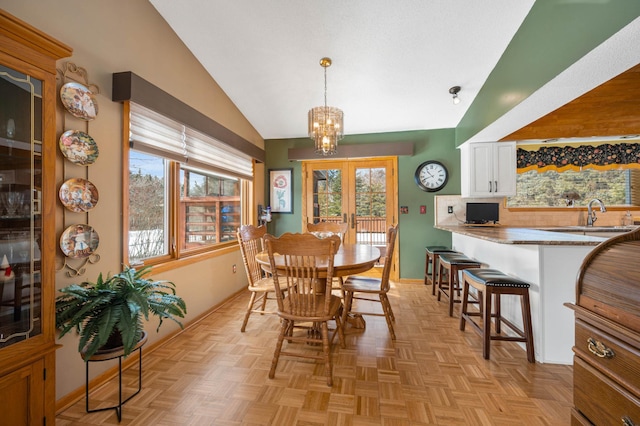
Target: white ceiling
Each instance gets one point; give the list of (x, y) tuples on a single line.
[(393, 61)]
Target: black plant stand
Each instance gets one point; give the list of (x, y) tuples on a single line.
[(105, 355)]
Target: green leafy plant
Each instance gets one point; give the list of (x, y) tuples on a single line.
[(117, 305)]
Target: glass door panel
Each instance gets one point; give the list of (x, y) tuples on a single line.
[(20, 209), (370, 205), (324, 201), (327, 196), (373, 200)]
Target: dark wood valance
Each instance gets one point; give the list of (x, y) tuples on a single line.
[(128, 86), (354, 151)]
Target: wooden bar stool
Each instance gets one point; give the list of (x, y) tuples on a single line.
[(431, 264), (489, 283), (450, 264)]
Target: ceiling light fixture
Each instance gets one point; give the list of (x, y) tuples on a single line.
[(325, 122), (454, 91)]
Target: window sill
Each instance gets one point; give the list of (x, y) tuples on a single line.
[(195, 258)]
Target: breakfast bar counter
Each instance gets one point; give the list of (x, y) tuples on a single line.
[(549, 260), (512, 235)]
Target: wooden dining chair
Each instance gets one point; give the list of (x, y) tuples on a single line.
[(337, 228), (303, 264), (260, 285), (365, 288)]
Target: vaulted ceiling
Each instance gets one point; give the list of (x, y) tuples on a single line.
[(393, 62)]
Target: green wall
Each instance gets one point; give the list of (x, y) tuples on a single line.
[(554, 35), (416, 230)]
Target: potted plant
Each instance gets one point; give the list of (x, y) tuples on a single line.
[(114, 309)]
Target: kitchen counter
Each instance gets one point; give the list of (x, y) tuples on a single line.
[(541, 236), (547, 258)]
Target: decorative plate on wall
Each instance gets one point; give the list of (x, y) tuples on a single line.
[(78, 195), (79, 101), (78, 147), (79, 241)]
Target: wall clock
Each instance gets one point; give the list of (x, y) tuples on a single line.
[(431, 176)]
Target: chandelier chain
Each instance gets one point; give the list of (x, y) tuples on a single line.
[(325, 87)]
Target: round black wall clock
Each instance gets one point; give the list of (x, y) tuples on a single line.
[(431, 176)]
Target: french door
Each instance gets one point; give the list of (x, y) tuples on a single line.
[(360, 192)]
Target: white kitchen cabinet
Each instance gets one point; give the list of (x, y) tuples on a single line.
[(488, 169)]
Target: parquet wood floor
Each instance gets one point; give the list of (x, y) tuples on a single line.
[(433, 374)]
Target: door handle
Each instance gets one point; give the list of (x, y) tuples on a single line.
[(490, 187), (496, 186), (344, 217), (353, 221)]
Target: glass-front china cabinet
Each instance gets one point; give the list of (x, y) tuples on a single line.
[(20, 206), (27, 241)]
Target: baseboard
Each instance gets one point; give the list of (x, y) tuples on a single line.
[(410, 281)]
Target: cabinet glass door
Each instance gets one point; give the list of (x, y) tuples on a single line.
[(20, 206)]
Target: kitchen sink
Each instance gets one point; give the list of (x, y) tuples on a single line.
[(625, 228), (596, 231)]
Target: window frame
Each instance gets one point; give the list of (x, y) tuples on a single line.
[(176, 253)]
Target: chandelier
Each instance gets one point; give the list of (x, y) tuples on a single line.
[(325, 122)]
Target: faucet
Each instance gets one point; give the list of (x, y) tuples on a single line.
[(591, 215)]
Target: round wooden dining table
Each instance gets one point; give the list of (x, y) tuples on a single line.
[(350, 259)]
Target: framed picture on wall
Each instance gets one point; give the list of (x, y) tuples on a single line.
[(281, 190)]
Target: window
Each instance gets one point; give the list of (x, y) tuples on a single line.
[(210, 208), (575, 173), (185, 189), (573, 188), (148, 202)]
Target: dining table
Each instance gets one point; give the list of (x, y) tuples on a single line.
[(350, 259)]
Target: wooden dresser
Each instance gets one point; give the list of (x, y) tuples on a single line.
[(606, 371)]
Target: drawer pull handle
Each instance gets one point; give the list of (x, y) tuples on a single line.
[(599, 349), (626, 421)]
